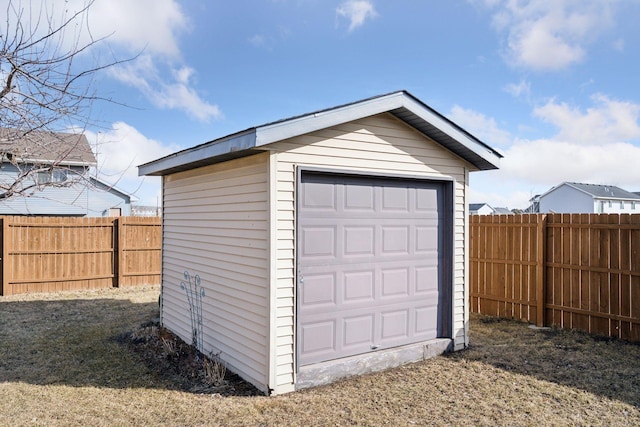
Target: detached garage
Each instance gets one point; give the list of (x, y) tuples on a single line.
[(328, 244)]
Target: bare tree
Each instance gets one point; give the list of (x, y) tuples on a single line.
[(45, 90)]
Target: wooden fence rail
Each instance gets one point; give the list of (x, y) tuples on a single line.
[(48, 254), (576, 271)]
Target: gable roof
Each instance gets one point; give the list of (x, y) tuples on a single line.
[(599, 191), (473, 207), (401, 104), (108, 187), (42, 147), (502, 210)]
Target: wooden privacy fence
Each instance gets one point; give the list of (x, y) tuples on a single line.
[(575, 271), (47, 254)]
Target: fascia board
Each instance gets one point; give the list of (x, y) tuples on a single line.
[(447, 127), (62, 162), (291, 128), (110, 187), (243, 141), (299, 126)]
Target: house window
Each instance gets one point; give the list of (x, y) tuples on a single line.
[(59, 175), (47, 177), (633, 205), (621, 205), (43, 178), (610, 203)]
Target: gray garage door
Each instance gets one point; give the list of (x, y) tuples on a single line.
[(370, 264)]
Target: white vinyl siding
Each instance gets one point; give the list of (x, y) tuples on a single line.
[(378, 144), (216, 224)]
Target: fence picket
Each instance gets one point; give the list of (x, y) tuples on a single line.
[(47, 254), (578, 271)]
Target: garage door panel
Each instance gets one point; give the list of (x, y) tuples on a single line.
[(358, 331), (319, 242), (359, 286), (395, 199), (395, 240), (319, 289), (318, 337), (427, 200), (394, 325), (359, 240), (375, 277), (359, 198), (426, 279), (319, 197), (426, 320), (426, 239), (395, 283)]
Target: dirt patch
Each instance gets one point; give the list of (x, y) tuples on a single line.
[(181, 365)]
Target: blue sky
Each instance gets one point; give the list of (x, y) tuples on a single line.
[(553, 84)]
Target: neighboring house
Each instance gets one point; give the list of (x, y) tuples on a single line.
[(104, 199), (502, 211), (63, 186), (480, 209), (328, 244), (573, 197), (534, 205), (486, 209)]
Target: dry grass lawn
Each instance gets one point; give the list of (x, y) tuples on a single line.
[(63, 362)]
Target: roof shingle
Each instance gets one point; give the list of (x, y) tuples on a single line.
[(46, 147)]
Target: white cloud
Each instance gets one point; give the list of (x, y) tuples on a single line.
[(523, 88), (357, 12), (594, 146), (144, 75), (549, 162), (149, 28), (484, 128), (149, 25), (119, 151), (152, 25), (550, 35), (122, 148), (608, 121), (598, 145)]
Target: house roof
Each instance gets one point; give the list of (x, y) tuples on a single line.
[(401, 104), (502, 210), (42, 147), (473, 207), (106, 186), (599, 191)]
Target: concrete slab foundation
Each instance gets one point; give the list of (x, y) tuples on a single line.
[(330, 371)]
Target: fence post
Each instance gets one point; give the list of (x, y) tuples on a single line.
[(541, 284), (7, 245), (117, 250), (3, 256)]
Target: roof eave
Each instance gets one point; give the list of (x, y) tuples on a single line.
[(55, 162), (401, 104), (110, 187), (199, 155)]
